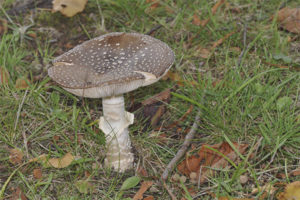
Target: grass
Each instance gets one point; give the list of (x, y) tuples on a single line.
[(247, 102)]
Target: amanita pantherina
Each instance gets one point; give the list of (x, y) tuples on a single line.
[(106, 67)]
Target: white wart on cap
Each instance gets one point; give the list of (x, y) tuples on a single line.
[(112, 64)]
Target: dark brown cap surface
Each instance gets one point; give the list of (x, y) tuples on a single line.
[(112, 64)]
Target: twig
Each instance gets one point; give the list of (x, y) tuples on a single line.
[(155, 28), (183, 148), (19, 109), (245, 46), (25, 143), (169, 191)]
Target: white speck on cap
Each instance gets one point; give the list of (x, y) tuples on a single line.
[(134, 60)]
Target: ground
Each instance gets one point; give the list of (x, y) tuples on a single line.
[(240, 69)]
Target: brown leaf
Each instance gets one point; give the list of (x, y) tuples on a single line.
[(207, 158), (142, 172), (196, 21), (157, 116), (295, 172), (230, 198), (144, 187), (289, 19), (216, 6), (220, 41), (4, 76), (22, 83), (69, 8), (3, 26), (162, 96), (292, 192), (17, 194), (173, 76), (277, 65), (154, 107), (154, 4), (182, 118), (15, 156), (37, 173), (213, 11), (149, 198)]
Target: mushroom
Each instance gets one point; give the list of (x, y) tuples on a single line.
[(107, 67)]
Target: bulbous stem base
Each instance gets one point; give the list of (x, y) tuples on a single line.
[(114, 124)]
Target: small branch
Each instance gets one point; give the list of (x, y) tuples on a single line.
[(245, 48), (25, 143), (184, 147), (19, 110), (169, 191), (155, 28)]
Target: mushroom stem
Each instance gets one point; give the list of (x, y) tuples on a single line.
[(114, 124)]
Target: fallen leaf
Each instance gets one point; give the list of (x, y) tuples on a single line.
[(160, 97), (17, 194), (84, 186), (154, 4), (142, 172), (173, 76), (230, 198), (206, 160), (295, 172), (3, 26), (154, 107), (289, 19), (182, 118), (196, 21), (63, 162), (144, 187), (4, 76), (69, 8), (22, 83), (157, 116), (277, 65), (149, 198), (268, 188), (56, 138), (37, 173), (292, 192), (220, 41), (213, 11), (15, 156), (216, 6), (203, 52), (40, 158)]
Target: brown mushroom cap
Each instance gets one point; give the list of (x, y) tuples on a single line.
[(112, 64)]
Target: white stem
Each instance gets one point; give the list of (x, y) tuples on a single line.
[(115, 124)]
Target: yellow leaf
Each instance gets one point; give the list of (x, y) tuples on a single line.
[(15, 156), (292, 192), (69, 8), (61, 162)]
